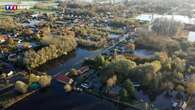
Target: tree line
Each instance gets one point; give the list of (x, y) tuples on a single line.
[(58, 46)]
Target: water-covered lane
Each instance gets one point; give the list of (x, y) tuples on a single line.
[(56, 98)]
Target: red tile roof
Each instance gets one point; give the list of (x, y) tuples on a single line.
[(3, 37), (62, 78)]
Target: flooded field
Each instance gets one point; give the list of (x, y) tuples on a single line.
[(179, 18), (191, 36)]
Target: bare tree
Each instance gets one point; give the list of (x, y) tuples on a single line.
[(167, 27)]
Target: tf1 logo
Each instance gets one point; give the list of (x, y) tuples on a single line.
[(11, 7)]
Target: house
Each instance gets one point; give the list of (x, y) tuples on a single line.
[(12, 57), (10, 73), (64, 79), (3, 38), (28, 45), (6, 68), (83, 70), (136, 84), (35, 15), (129, 48)]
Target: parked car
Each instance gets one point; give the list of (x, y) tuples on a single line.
[(85, 86)]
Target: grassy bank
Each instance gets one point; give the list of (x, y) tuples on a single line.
[(9, 99)]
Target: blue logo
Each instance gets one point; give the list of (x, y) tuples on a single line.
[(7, 7)]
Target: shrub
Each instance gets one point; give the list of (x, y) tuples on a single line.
[(68, 88), (58, 47), (45, 80), (33, 78), (21, 87)]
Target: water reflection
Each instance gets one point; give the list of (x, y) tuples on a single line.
[(55, 98), (143, 53), (179, 18), (65, 63), (191, 36)]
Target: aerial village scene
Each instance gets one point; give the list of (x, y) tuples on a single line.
[(97, 54)]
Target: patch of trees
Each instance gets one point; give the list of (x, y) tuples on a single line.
[(117, 23), (90, 37), (109, 10), (119, 66), (43, 80), (154, 78), (166, 36), (166, 27), (58, 46), (190, 85), (128, 91), (164, 73), (122, 23), (91, 44), (80, 12), (158, 43), (116, 73), (173, 64), (74, 5), (8, 24), (93, 33), (98, 62), (68, 88), (143, 71), (21, 87)]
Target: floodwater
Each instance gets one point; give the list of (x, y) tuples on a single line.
[(56, 98), (65, 63), (179, 18), (191, 36), (144, 53)]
